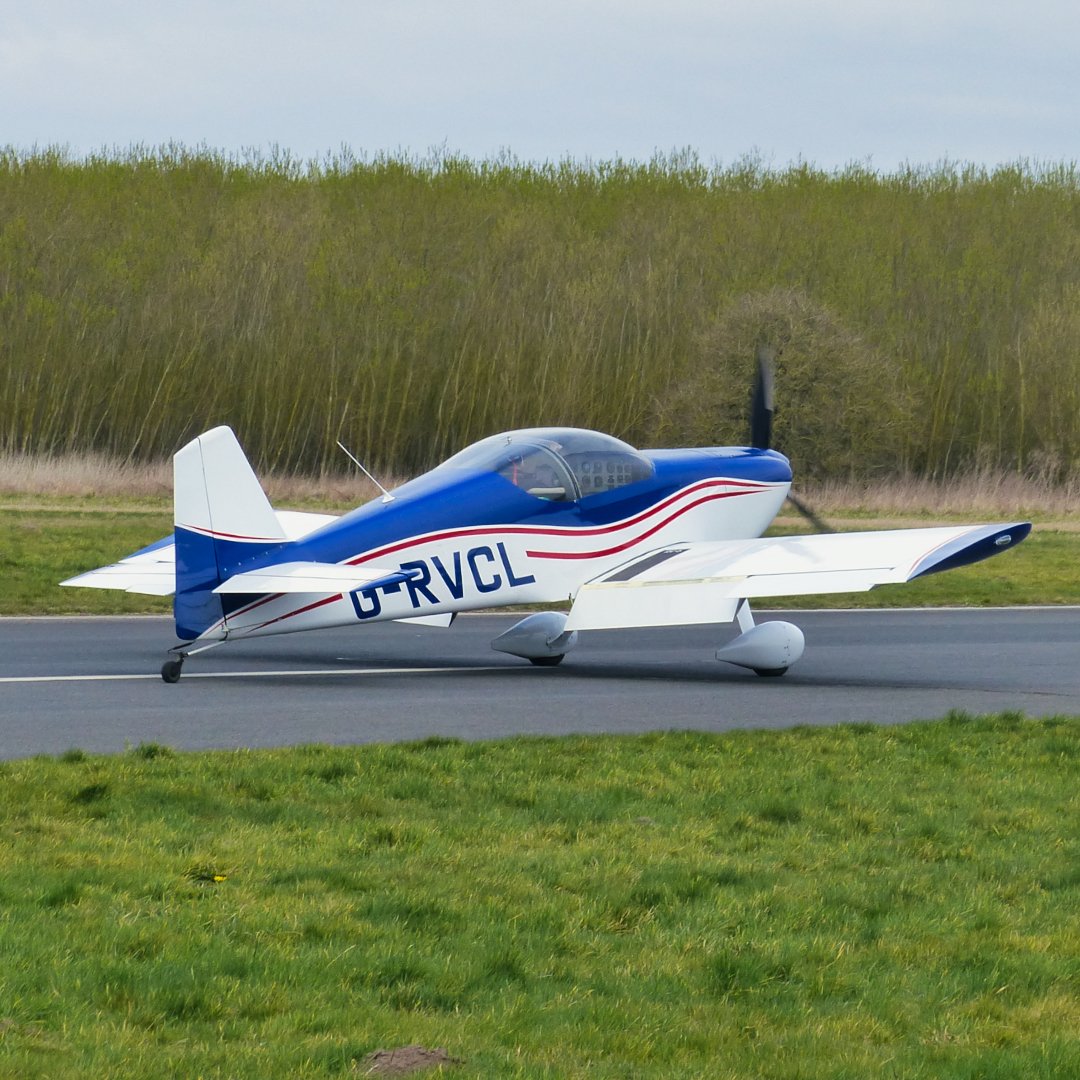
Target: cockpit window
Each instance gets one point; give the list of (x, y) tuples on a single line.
[(537, 470), (557, 463)]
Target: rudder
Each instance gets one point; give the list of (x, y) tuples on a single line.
[(222, 521)]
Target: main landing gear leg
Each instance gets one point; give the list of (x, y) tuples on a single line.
[(174, 666)]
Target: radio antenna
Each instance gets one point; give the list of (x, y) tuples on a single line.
[(386, 496)]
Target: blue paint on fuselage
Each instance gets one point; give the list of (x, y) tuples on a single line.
[(195, 607)]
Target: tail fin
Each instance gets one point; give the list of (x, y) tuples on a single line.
[(223, 521)]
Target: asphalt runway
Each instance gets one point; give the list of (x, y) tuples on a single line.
[(93, 683)]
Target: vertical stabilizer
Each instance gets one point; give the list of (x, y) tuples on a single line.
[(223, 521)]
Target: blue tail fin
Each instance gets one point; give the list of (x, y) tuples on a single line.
[(223, 521)]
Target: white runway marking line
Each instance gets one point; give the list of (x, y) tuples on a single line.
[(257, 674)]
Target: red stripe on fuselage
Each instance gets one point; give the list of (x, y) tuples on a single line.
[(560, 530), (636, 539), (300, 611)]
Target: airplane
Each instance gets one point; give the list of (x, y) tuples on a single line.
[(549, 515)]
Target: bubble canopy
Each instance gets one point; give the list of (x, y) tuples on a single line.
[(559, 464)]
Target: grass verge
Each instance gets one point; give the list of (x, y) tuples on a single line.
[(845, 902), (39, 547)]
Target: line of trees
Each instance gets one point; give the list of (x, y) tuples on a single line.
[(926, 321)]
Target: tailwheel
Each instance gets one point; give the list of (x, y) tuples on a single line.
[(547, 661), (170, 670), (770, 672)]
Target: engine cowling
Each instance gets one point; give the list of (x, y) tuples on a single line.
[(769, 648)]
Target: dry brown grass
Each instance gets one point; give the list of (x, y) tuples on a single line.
[(979, 494), (983, 492), (82, 476), (94, 476)]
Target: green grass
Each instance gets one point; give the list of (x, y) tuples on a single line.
[(847, 902), (41, 547)]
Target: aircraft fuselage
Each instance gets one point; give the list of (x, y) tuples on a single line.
[(472, 539)]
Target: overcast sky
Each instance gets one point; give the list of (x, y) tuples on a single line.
[(881, 82)]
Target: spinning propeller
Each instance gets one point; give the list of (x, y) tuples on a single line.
[(761, 414)]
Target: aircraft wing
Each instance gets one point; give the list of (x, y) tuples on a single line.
[(702, 582)]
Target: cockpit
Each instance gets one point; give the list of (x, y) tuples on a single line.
[(560, 464)]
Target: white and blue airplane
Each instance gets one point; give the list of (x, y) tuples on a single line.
[(628, 538)]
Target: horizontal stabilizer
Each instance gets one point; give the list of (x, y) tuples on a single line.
[(152, 570), (701, 582), (312, 577), (154, 580)]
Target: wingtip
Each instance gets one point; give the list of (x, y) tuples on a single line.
[(977, 544)]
